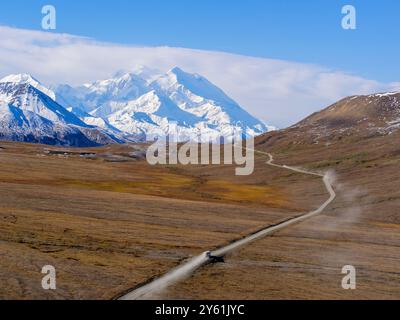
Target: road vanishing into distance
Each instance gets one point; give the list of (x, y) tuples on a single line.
[(155, 287)]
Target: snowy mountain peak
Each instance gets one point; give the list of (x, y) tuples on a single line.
[(28, 114), (135, 104), (176, 70), (24, 78), (125, 85), (19, 78), (145, 73), (177, 75), (145, 101)]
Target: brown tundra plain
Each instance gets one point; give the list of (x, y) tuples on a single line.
[(108, 221)]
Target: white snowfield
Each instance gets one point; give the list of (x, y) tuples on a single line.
[(28, 113), (132, 106), (27, 78), (155, 287), (145, 102)]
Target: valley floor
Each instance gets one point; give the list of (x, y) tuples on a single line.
[(361, 228), (109, 222)]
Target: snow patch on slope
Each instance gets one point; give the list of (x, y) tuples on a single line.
[(28, 79), (145, 102)]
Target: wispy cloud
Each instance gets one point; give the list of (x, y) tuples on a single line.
[(279, 92)]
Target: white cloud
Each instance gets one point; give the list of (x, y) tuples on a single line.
[(279, 92)]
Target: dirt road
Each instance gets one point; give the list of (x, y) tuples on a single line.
[(181, 272)]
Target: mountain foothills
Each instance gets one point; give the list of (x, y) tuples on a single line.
[(357, 141), (347, 122), (110, 221), (131, 106)]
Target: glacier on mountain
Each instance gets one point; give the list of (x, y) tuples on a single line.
[(28, 114), (147, 102), (131, 106)]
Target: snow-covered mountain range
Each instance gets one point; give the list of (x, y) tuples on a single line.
[(136, 105), (29, 113)]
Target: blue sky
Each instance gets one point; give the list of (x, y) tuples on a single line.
[(280, 60), (303, 31)]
